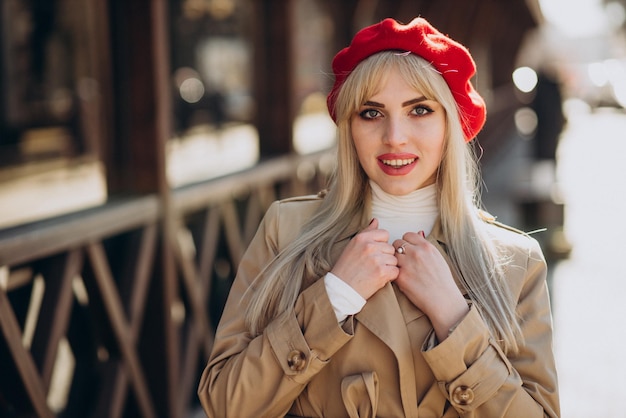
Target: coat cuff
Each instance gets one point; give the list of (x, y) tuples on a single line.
[(469, 365), (305, 338)]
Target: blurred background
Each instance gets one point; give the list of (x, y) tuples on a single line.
[(141, 142)]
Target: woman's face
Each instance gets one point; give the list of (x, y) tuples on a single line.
[(399, 136)]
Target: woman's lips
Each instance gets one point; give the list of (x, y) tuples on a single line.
[(397, 164)]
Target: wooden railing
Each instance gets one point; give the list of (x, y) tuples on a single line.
[(92, 323)]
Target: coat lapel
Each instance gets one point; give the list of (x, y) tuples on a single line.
[(383, 317)]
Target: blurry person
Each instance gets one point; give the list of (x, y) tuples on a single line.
[(548, 105), (391, 294)]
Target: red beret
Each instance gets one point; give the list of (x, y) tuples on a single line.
[(451, 59)]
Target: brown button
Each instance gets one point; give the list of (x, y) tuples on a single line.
[(296, 360), (463, 395)]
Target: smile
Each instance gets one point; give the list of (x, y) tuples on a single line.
[(397, 163)]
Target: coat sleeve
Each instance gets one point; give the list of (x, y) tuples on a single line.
[(261, 376), (479, 380)]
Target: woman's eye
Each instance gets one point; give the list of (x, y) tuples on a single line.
[(422, 110), (369, 114)]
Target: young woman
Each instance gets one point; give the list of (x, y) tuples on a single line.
[(391, 295)]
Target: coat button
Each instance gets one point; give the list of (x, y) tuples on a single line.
[(463, 395), (296, 360)]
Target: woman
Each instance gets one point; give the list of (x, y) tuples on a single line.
[(390, 295)]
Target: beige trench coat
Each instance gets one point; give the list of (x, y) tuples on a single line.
[(382, 362)]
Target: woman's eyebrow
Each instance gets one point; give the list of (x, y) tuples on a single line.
[(413, 101), (407, 103), (374, 104)]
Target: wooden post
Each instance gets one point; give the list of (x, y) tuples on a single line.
[(272, 76), (137, 165), (163, 127)]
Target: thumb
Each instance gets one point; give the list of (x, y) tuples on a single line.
[(372, 225)]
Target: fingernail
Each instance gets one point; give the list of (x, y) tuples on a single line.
[(371, 221), (422, 232)]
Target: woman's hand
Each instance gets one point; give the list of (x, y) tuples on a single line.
[(368, 261), (425, 278)]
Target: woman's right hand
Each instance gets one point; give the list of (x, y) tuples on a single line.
[(368, 262)]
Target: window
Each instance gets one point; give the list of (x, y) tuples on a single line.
[(50, 110), (213, 105)]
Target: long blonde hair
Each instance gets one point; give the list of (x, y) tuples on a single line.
[(470, 248)]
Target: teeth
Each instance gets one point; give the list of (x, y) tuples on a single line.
[(398, 163)]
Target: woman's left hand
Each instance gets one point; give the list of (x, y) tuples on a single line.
[(425, 278)]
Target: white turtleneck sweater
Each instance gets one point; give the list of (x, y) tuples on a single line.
[(416, 211)]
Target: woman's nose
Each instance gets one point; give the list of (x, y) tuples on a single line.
[(395, 132)]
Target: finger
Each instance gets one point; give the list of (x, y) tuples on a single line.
[(372, 231), (389, 249), (414, 237), (390, 272), (397, 243), (391, 260), (401, 246), (372, 225)]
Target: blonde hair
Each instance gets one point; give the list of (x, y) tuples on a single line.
[(471, 249)]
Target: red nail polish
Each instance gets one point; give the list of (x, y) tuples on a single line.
[(422, 232)]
